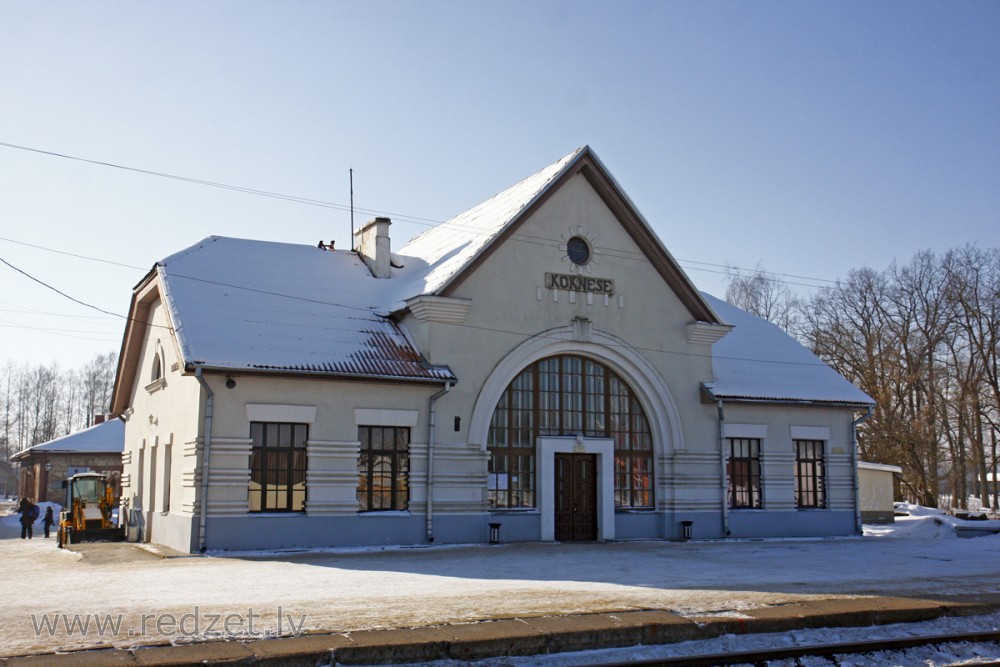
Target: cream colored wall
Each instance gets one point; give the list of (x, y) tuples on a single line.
[(333, 441), (641, 331), (162, 423), (875, 490), (509, 304), (778, 451)]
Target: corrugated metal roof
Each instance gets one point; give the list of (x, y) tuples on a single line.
[(239, 304), (382, 356)]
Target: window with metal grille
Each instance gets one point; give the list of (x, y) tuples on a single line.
[(810, 474), (743, 469), (383, 468), (567, 395), (278, 467)]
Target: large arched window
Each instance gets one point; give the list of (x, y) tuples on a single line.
[(567, 395)]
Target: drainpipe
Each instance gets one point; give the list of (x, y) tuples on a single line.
[(431, 412), (854, 459), (722, 459), (206, 458)]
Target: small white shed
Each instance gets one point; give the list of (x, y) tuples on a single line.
[(875, 491)]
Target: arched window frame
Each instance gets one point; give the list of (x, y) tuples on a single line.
[(157, 370), (566, 395), (157, 380)]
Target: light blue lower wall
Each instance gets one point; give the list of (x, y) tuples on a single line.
[(281, 531), (796, 523), (748, 524), (518, 526), (638, 525)]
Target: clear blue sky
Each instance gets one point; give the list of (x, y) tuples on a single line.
[(814, 137)]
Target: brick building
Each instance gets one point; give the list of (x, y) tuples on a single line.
[(43, 467)]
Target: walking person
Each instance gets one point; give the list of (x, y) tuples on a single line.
[(48, 520), (29, 513)]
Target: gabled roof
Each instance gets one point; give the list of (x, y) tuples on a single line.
[(258, 306), (438, 260), (262, 306), (757, 361), (105, 438)]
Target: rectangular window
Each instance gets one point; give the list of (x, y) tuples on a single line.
[(810, 474), (548, 397), (383, 468), (278, 467), (743, 470)]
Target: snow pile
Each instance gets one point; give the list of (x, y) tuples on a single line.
[(925, 523)]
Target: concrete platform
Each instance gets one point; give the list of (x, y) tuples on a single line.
[(524, 636)]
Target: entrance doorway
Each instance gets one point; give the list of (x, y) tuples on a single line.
[(575, 497)]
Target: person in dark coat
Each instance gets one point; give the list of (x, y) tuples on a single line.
[(29, 512), (48, 520)]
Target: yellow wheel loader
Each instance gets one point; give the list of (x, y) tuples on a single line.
[(87, 513)]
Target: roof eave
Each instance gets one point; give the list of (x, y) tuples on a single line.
[(270, 372), (711, 397), (135, 330)]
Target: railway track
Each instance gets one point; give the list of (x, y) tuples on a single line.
[(828, 651)]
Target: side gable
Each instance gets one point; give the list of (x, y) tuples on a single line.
[(586, 163), (146, 293)]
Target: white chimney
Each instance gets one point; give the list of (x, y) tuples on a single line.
[(372, 243)]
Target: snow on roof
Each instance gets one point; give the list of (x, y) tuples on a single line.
[(105, 438), (238, 304), (759, 361), (260, 305), (243, 304), (432, 258), (884, 467)]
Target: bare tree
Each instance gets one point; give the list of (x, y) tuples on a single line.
[(40, 403), (765, 295)]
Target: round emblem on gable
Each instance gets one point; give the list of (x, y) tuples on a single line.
[(578, 250)]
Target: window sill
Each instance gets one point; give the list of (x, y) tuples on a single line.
[(396, 513), (276, 515), (156, 385), (635, 510), (746, 509), (515, 510)]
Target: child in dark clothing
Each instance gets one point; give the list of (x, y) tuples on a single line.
[(48, 520)]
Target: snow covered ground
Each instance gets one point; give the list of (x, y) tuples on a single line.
[(128, 596)]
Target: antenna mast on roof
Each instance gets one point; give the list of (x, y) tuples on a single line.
[(351, 172)]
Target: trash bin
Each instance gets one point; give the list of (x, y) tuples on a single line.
[(687, 527)]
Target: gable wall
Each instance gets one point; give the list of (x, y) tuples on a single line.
[(507, 293), (161, 433)]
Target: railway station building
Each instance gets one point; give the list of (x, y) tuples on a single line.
[(539, 363)]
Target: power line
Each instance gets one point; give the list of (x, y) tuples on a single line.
[(75, 300), (417, 220), (58, 291), (71, 254), (57, 332), (369, 311), (24, 310)]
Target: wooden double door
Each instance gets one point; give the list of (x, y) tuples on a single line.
[(576, 497)]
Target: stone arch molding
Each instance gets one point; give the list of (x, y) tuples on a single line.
[(642, 377)]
